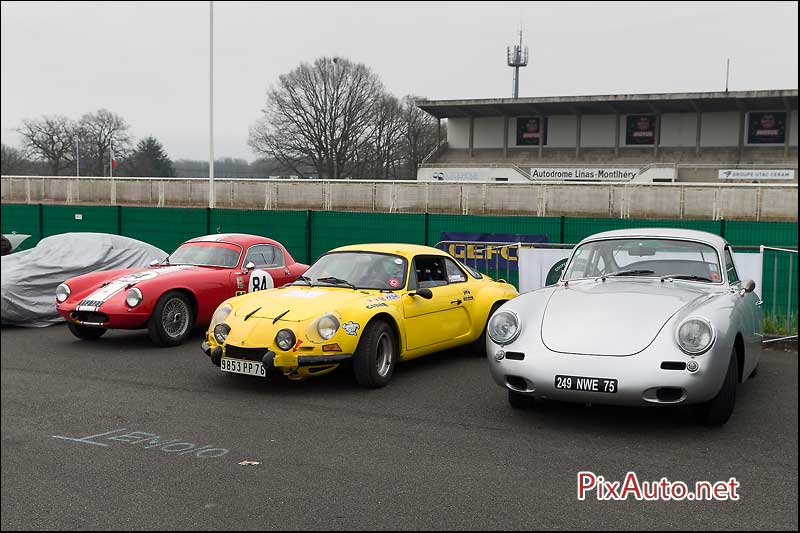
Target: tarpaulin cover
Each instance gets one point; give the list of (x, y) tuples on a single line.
[(30, 277)]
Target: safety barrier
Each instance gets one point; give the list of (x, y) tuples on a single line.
[(679, 201)]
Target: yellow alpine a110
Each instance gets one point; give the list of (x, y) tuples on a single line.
[(374, 304)]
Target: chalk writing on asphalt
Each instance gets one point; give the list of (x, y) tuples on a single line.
[(148, 441)]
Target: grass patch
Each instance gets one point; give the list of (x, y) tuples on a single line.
[(776, 324)]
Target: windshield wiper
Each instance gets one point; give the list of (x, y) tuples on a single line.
[(627, 273), (337, 281), (686, 276)]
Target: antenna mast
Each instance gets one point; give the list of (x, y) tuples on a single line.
[(517, 56)]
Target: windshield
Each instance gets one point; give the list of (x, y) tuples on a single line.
[(689, 260), (362, 270), (206, 254)]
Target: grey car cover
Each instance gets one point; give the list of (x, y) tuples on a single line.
[(29, 278)]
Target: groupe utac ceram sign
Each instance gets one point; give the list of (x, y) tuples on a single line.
[(756, 174)]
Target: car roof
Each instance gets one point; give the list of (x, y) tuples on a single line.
[(242, 239), (405, 250), (674, 233)]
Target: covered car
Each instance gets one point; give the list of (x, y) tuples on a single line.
[(638, 317), (30, 277), (172, 296), (372, 304)]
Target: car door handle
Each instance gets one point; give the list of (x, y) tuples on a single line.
[(456, 302), (286, 271)]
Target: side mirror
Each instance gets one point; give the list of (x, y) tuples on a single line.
[(155, 263), (422, 293), (249, 266), (748, 285)]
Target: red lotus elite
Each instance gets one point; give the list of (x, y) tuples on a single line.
[(182, 292)]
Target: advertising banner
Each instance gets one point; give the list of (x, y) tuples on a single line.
[(640, 129), (478, 256), (531, 130), (766, 128), (756, 174)]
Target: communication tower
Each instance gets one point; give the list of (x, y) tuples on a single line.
[(517, 57)]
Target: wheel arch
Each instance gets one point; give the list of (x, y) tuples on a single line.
[(389, 319), (738, 348)]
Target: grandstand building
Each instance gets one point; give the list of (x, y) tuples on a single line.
[(744, 136)]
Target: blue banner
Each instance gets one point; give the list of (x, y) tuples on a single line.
[(482, 257)]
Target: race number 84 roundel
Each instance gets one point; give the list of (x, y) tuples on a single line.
[(260, 280)]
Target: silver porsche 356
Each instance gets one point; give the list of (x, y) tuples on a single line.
[(639, 317)]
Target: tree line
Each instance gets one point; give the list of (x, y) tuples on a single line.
[(330, 119), (57, 145)]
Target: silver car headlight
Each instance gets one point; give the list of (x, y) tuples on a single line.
[(503, 327), (220, 315), (327, 326), (133, 297), (695, 336), (62, 293)]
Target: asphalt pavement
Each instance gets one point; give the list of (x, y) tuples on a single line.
[(118, 434)]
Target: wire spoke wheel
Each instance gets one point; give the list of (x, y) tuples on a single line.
[(175, 317)]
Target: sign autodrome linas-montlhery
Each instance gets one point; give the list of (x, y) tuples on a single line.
[(566, 173)]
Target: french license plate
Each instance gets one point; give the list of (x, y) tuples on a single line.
[(584, 384), (239, 366)]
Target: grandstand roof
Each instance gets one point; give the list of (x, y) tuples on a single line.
[(622, 103)]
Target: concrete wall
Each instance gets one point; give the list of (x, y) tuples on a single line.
[(630, 200), (597, 131)]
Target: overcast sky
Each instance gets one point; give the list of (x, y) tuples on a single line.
[(149, 61)]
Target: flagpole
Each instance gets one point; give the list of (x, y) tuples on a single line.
[(211, 107), (77, 157), (110, 161)]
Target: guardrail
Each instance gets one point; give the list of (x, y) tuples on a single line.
[(696, 201)]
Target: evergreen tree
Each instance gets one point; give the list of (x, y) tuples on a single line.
[(148, 159)]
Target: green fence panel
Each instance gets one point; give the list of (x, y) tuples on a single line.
[(741, 233), (286, 227), (24, 219), (777, 278), (164, 227), (576, 229), (66, 218), (330, 229)]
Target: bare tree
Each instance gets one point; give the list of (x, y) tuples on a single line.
[(49, 139), (319, 116), (420, 132), (13, 162), (98, 133)]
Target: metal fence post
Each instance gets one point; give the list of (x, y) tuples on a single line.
[(789, 298), (774, 283)]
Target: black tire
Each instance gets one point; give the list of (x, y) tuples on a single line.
[(718, 410), (479, 346), (519, 400), (376, 355), (87, 333), (172, 320)]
